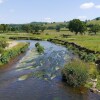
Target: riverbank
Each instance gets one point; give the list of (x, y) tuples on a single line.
[(85, 52), (12, 51), (92, 84)]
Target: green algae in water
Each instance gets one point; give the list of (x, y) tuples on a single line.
[(22, 78)]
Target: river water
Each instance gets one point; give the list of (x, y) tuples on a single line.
[(38, 77)]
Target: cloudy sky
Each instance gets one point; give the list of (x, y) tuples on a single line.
[(24, 11)]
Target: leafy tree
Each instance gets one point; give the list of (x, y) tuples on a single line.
[(77, 26), (94, 29), (42, 28), (1, 28), (26, 28), (36, 29), (58, 28)]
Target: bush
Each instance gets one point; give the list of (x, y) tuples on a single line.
[(37, 44), (3, 43), (11, 53), (87, 57), (93, 72), (98, 83), (75, 73), (39, 48), (1, 50)]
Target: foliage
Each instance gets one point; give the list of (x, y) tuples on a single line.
[(94, 29), (4, 28), (39, 48), (75, 73), (98, 83), (77, 26), (1, 50), (8, 54), (3, 43), (93, 72), (87, 57), (37, 44), (57, 28)]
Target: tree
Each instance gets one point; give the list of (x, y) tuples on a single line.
[(58, 28), (4, 27), (77, 26), (36, 29), (42, 28), (26, 28), (94, 29), (1, 28)]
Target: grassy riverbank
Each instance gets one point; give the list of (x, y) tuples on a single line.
[(88, 48), (12, 52), (88, 41)]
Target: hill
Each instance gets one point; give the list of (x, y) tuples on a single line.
[(94, 21)]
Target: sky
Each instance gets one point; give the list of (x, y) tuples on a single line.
[(25, 11)]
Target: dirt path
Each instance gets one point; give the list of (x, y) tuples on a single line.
[(11, 44)]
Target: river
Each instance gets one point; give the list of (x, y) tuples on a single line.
[(38, 77)]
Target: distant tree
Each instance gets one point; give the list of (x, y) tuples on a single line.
[(26, 28), (94, 29), (4, 27), (51, 27), (58, 28), (1, 28), (36, 29), (43, 28), (77, 26), (13, 29), (98, 18)]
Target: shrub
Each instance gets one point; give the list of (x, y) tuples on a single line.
[(1, 50), (3, 43), (37, 44), (98, 83), (75, 73), (87, 57), (13, 52), (93, 72), (39, 48)]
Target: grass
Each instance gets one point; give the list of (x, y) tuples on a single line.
[(98, 83), (94, 22), (87, 41)]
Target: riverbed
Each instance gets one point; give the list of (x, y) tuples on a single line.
[(36, 76)]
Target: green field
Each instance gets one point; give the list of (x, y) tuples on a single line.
[(88, 41)]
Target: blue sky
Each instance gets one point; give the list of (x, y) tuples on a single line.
[(24, 11)]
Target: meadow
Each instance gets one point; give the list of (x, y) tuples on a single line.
[(91, 42)]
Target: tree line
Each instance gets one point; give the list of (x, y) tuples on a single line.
[(28, 28), (75, 25)]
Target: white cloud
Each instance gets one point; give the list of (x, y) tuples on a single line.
[(1, 1), (83, 18), (97, 6), (87, 5)]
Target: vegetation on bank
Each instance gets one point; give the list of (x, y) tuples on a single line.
[(81, 37), (75, 73), (7, 55), (3, 44), (39, 48), (78, 73)]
